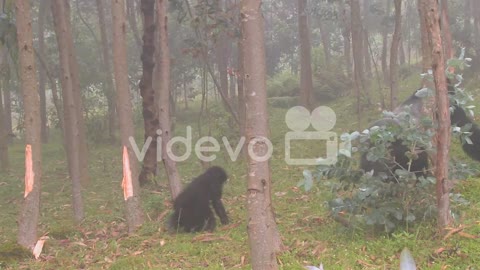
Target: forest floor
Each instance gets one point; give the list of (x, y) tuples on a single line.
[(309, 234)]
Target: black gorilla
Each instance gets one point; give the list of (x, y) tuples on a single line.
[(419, 164), (460, 118), (192, 206), (399, 160)]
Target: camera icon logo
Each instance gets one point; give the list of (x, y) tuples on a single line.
[(322, 119)]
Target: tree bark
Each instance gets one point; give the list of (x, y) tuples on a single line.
[(70, 103), (394, 54), (447, 34), (134, 213), (444, 186), (30, 211), (132, 21), (108, 80), (325, 37), (221, 54), (163, 75), (346, 33), (306, 81), (150, 116), (7, 101), (263, 234), (77, 95), (358, 58), (426, 49), (42, 76), (4, 161), (385, 45)]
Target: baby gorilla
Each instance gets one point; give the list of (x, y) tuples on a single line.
[(192, 206)]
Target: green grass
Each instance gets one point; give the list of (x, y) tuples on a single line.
[(309, 234)]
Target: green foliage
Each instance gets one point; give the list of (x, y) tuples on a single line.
[(283, 84), (282, 102)]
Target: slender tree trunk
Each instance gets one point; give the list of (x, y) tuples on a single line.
[(263, 234), (325, 37), (366, 41), (163, 75), (108, 80), (240, 86), (30, 211), (444, 186), (4, 161), (7, 109), (396, 39), (221, 54), (346, 31), (132, 21), (426, 49), (77, 95), (185, 94), (447, 35), (71, 116), (358, 58), (134, 213), (42, 13), (150, 116), (384, 54), (306, 83)]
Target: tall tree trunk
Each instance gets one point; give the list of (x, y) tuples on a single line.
[(240, 86), (7, 101), (108, 80), (71, 116), (263, 234), (396, 39), (325, 37), (42, 13), (221, 54), (4, 161), (132, 21), (163, 75), (306, 83), (426, 49), (134, 213), (346, 31), (366, 41), (150, 116), (185, 94), (385, 50), (77, 95), (447, 35), (358, 58), (444, 186), (30, 211)]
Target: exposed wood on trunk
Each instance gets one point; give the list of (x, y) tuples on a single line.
[(134, 213), (30, 211)]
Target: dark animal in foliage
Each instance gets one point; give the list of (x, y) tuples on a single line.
[(398, 159), (460, 119), (419, 164), (192, 211)]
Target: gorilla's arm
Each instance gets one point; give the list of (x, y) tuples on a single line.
[(220, 210)]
